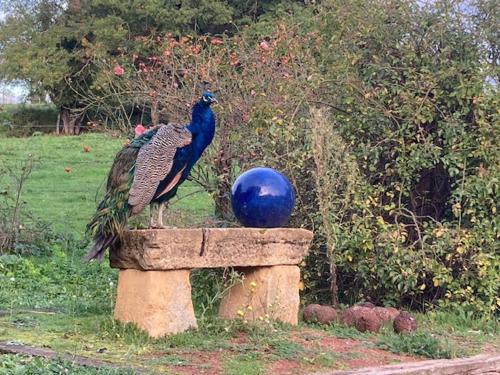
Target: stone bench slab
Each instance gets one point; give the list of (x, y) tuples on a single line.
[(171, 249)]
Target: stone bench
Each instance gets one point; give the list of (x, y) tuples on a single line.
[(154, 291)]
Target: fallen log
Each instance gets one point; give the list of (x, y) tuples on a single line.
[(483, 364)]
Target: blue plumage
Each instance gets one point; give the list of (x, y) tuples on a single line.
[(202, 127), (109, 221)]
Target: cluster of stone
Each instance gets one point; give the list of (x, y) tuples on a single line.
[(365, 317)]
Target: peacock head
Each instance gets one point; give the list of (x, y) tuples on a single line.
[(208, 98)]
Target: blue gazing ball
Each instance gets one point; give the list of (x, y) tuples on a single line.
[(262, 198)]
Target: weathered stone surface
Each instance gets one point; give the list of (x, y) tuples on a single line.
[(321, 314), (350, 315), (265, 293), (367, 320), (405, 322), (393, 312), (159, 302), (366, 304), (385, 314), (168, 249)]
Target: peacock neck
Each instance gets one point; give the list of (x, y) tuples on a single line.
[(202, 125)]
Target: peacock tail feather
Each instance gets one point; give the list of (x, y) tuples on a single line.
[(109, 222)]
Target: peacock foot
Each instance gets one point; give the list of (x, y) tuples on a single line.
[(158, 226)]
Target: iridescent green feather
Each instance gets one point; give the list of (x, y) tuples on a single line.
[(110, 219)]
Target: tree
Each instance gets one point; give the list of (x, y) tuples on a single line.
[(39, 43), (51, 44)]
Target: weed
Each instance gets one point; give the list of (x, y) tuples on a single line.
[(245, 364), (463, 322), (286, 349), (343, 331), (129, 333), (15, 364), (321, 359), (60, 281), (208, 288), (421, 344)]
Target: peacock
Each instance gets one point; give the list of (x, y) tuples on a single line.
[(148, 171)]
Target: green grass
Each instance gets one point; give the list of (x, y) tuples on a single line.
[(67, 200), (244, 364), (61, 282), (17, 365), (419, 344)]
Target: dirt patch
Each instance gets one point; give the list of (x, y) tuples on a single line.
[(285, 367), (357, 354), (338, 345), (348, 353), (240, 338), (375, 357), (189, 362)]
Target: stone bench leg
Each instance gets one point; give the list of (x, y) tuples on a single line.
[(266, 292), (159, 302)]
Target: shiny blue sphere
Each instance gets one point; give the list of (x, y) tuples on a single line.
[(262, 198)]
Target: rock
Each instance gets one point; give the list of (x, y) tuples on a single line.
[(158, 302), (393, 312), (309, 313), (326, 315), (349, 316), (385, 313), (367, 320), (319, 313), (168, 249), (363, 318), (405, 322), (266, 293)]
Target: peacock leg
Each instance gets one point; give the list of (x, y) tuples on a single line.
[(161, 208), (153, 215), (156, 215)]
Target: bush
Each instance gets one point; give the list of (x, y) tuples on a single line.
[(25, 119), (412, 101), (19, 231), (400, 182)]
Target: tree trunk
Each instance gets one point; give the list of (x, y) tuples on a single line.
[(71, 121), (65, 117), (58, 122), (222, 200), (223, 168)]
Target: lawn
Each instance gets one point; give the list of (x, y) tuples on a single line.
[(56, 301), (67, 182)]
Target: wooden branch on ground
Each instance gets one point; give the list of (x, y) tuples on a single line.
[(479, 365), (6, 348)]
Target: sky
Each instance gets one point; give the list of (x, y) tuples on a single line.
[(11, 91)]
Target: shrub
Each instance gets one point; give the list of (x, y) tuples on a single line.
[(415, 107), (25, 119), (19, 232)]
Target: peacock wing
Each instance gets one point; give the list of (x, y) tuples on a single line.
[(154, 162), (119, 174)]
